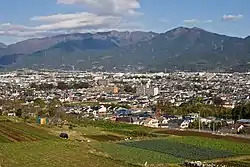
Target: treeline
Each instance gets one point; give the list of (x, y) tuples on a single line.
[(60, 85), (186, 108), (240, 111)]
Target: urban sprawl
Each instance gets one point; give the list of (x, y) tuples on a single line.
[(214, 102)]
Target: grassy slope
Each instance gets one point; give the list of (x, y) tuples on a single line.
[(50, 152), (53, 153), (12, 132)]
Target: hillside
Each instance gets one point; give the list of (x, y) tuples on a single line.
[(102, 144), (188, 49), (2, 46), (38, 44)]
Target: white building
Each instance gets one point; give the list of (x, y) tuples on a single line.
[(147, 91)]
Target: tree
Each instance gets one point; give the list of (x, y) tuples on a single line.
[(241, 111), (62, 85), (194, 125), (218, 101), (52, 112), (19, 113), (129, 89), (39, 102)]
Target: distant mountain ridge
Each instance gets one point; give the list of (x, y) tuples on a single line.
[(186, 49), (37, 44), (2, 46)]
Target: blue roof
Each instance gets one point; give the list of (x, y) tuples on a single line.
[(244, 120)]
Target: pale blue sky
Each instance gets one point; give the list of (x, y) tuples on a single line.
[(19, 19)]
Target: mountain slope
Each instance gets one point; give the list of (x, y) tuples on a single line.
[(33, 45), (2, 46), (190, 49)]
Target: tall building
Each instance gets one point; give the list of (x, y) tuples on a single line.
[(147, 91)]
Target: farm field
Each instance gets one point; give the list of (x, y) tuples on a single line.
[(33, 145), (180, 150), (177, 149), (239, 148), (19, 132), (54, 154)]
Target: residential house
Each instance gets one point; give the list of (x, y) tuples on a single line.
[(11, 114), (151, 122)]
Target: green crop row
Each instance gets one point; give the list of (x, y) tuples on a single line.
[(218, 144), (181, 150), (17, 132)]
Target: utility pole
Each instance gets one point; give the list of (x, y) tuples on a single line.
[(213, 127), (199, 121)]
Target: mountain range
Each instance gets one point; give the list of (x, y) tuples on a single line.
[(3, 46), (185, 49)]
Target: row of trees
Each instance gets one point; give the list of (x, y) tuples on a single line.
[(240, 111), (196, 105)]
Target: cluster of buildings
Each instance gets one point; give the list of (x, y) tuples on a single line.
[(176, 88), (138, 91)]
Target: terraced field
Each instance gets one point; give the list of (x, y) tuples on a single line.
[(19, 132)]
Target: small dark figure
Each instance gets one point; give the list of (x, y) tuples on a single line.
[(64, 135)]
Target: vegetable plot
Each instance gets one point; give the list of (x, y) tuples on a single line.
[(18, 132), (179, 150)]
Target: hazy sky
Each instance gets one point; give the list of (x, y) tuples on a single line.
[(22, 19)]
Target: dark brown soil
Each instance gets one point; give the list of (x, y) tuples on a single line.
[(104, 138)]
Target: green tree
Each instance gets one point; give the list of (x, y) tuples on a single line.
[(129, 89), (39, 102), (62, 85), (19, 113)]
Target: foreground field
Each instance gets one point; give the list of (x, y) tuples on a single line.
[(54, 154), (176, 149), (103, 144)]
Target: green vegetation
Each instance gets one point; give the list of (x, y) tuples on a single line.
[(179, 150), (193, 106), (102, 143), (120, 128), (225, 145), (18, 132), (54, 153), (137, 155), (243, 163)]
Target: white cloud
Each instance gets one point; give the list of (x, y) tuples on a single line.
[(208, 21), (191, 21), (102, 15), (114, 7), (231, 17), (78, 20), (68, 23)]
